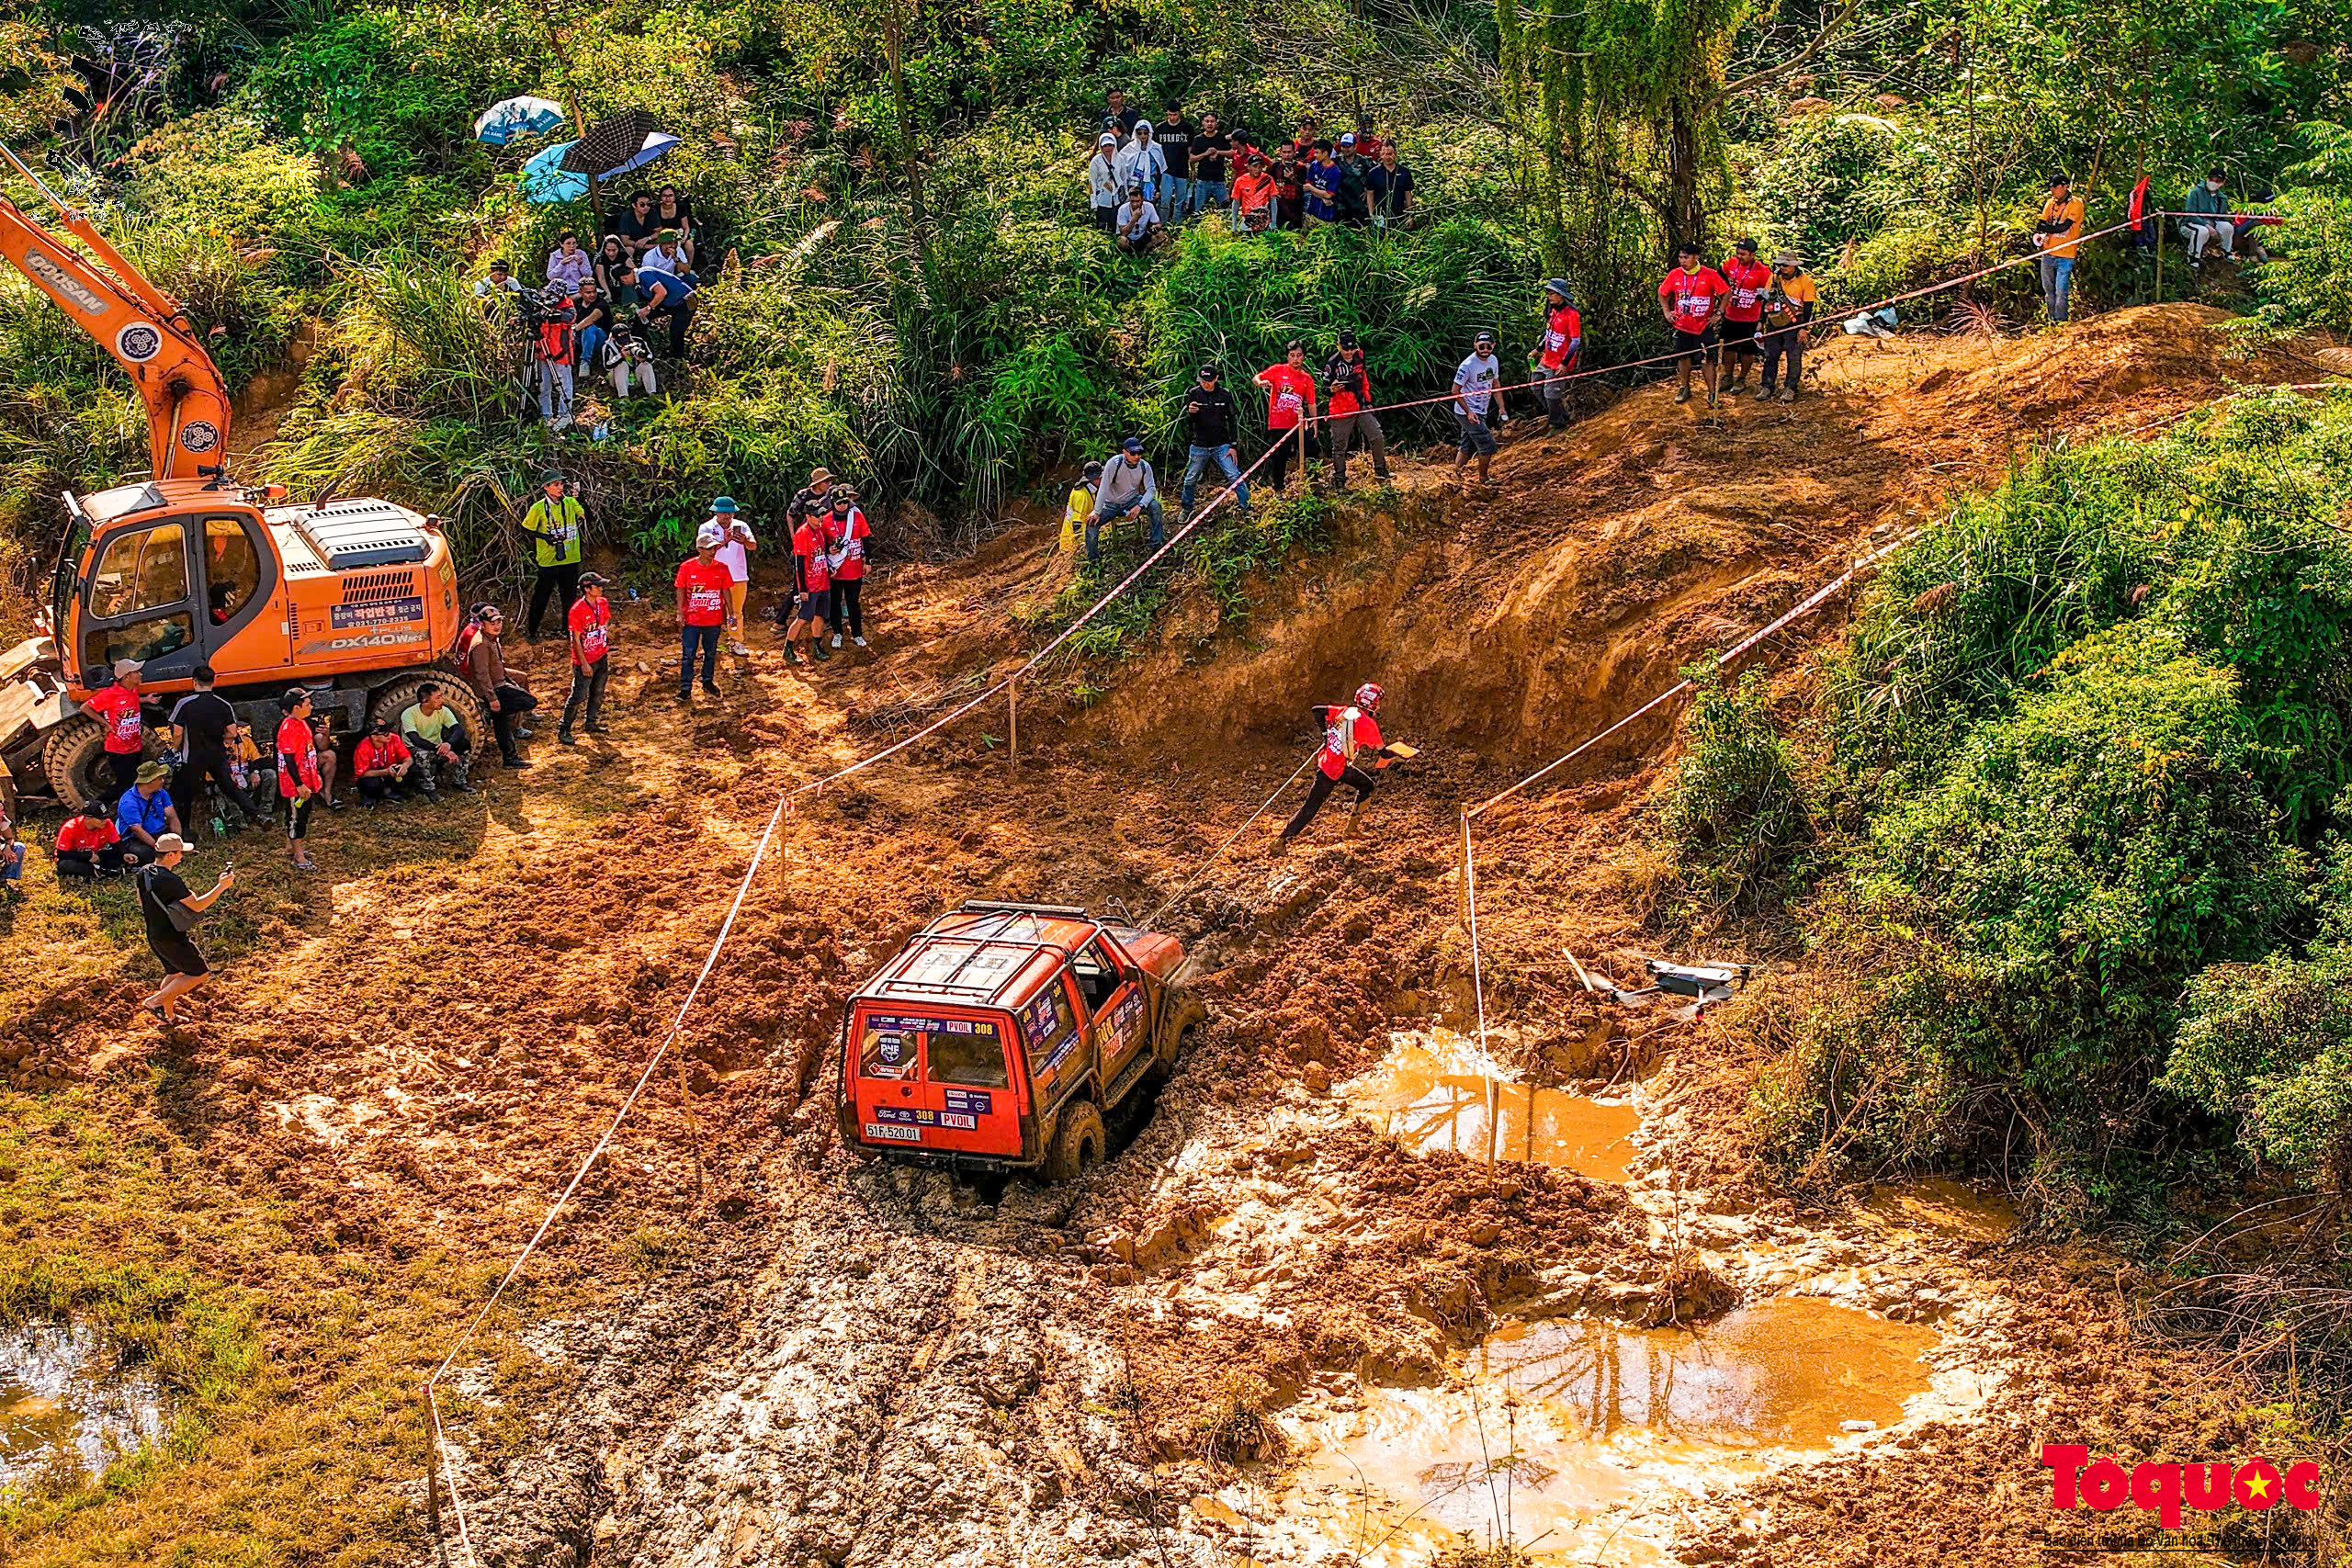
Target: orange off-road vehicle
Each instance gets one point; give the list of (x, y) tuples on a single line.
[(357, 599), (1004, 1034)]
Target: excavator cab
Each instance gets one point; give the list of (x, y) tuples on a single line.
[(356, 599)]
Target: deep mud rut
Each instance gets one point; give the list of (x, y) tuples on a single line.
[(828, 1361)]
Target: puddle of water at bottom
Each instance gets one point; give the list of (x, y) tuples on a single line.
[(65, 1400), (1941, 1206), (1432, 1103), (1559, 1421)]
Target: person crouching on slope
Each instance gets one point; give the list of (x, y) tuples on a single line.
[(1349, 732)]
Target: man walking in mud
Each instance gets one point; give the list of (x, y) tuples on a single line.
[(1349, 732)]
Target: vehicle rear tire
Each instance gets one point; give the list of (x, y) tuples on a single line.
[(1077, 1143), (390, 702), (73, 756)]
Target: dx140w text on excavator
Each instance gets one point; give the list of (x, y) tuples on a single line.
[(356, 599)]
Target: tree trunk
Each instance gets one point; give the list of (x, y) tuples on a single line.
[(1686, 214)]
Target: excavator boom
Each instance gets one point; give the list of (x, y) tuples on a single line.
[(187, 406)]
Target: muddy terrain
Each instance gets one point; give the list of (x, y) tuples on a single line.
[(1358, 1288)]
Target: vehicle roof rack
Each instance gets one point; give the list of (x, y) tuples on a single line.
[(999, 906)]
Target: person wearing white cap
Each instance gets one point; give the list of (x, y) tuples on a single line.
[(170, 912), (117, 707), (1102, 181), (702, 584)]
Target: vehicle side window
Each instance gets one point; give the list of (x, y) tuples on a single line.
[(1098, 975), (1048, 1025), (145, 571), (232, 572), (142, 640)]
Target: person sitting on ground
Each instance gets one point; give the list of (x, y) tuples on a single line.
[(568, 266), (501, 690), (243, 751), (299, 784), (1253, 197), (1102, 183), (1477, 407), (1080, 506), (1691, 299), (437, 740), (502, 283), (1743, 308), (1788, 307), (591, 625), (1139, 228), (592, 323), (669, 297), (170, 912), (628, 358), (146, 813), (330, 761), (616, 272), (702, 586), (667, 254), (1129, 489), (675, 212), (89, 845), (1349, 732), (637, 227), (812, 586), (382, 767), (2209, 198), (845, 536), (11, 860)]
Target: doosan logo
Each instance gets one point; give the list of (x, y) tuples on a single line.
[(2161, 1489)]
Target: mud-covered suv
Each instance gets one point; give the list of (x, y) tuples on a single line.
[(1004, 1033)]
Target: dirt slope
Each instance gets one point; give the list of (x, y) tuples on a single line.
[(746, 1346)]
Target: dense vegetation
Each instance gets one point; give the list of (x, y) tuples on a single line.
[(908, 286)]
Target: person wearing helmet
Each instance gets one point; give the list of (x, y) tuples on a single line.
[(1349, 732), (1081, 507), (702, 584), (1555, 360), (1477, 407)]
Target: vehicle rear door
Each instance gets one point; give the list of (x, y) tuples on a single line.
[(1112, 990), (943, 1079)]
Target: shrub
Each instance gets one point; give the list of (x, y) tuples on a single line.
[(2269, 1045), (1736, 816)]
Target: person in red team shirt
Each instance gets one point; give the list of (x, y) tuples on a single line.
[(117, 710), (1349, 732), (1290, 398), (591, 625), (703, 580), (1743, 308), (812, 599), (1555, 360), (1692, 297), (845, 536), (298, 772)]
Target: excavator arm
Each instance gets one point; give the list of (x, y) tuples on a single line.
[(187, 406)]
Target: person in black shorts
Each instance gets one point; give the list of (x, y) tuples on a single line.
[(1692, 297), (161, 894)]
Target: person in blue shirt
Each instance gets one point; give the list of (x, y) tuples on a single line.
[(145, 814), (1324, 178)]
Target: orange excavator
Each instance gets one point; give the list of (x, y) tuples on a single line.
[(355, 599)]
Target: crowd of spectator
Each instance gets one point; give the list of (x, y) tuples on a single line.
[(1144, 176)]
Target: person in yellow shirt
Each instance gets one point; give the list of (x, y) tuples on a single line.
[(2058, 236), (1789, 303), (1080, 508)]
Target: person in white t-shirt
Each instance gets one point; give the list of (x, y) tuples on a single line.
[(1139, 224), (1477, 407), (735, 555)]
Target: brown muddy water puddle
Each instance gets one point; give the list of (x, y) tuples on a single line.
[(1940, 1206), (68, 1406), (1551, 1431), (1435, 1102)]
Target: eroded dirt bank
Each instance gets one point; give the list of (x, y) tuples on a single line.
[(747, 1346)]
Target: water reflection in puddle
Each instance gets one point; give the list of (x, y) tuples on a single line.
[(1432, 1103), (66, 1402), (1557, 1421)]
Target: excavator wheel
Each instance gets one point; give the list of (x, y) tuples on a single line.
[(74, 756), (1077, 1143), (396, 699)]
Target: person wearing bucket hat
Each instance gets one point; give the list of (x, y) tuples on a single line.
[(1555, 358), (702, 586), (735, 555), (557, 524), (171, 911), (591, 625), (1788, 305), (146, 813)]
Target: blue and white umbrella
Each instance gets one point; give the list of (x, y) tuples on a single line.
[(546, 182), (510, 120)]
